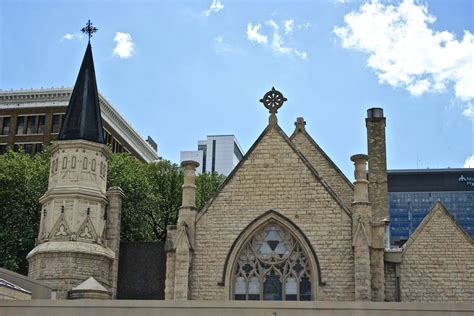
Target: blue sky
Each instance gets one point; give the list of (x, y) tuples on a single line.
[(180, 70)]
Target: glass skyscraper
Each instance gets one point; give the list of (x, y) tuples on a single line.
[(412, 194)]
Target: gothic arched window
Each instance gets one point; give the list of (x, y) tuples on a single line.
[(272, 265)]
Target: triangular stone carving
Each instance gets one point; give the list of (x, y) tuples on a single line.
[(361, 234), (182, 239), (61, 229), (87, 231)]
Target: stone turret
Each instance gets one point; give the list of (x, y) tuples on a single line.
[(361, 230), (180, 239), (80, 220), (378, 196)]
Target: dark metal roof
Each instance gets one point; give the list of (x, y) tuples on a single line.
[(83, 119)]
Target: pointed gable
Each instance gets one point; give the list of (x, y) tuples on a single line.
[(273, 150), (437, 227), (83, 119), (438, 260), (274, 175), (321, 162)]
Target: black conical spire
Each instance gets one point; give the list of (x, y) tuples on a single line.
[(83, 119)]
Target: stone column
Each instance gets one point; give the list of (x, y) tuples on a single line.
[(170, 261), (361, 230), (180, 240), (113, 224), (187, 211), (378, 195)]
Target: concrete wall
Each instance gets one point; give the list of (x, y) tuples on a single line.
[(273, 177), (234, 308)]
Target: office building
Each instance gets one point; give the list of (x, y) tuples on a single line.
[(32, 119), (414, 192), (218, 153)]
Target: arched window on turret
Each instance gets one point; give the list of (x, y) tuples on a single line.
[(272, 264)]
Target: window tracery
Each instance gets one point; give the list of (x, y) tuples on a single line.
[(272, 265)]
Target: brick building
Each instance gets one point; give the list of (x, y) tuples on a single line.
[(32, 119)]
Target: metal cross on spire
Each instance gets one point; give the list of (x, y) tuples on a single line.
[(89, 29)]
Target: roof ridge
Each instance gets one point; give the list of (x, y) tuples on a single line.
[(331, 162)]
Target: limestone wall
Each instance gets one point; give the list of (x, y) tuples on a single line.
[(74, 268), (438, 262), (390, 282), (275, 178), (324, 167)]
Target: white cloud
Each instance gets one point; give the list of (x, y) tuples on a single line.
[(272, 24), (277, 45), (302, 55), (215, 7), (220, 46), (289, 24), (469, 111), (124, 46), (254, 35), (469, 163), (405, 52), (69, 36), (304, 25)]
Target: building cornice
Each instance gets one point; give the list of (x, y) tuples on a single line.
[(60, 97)]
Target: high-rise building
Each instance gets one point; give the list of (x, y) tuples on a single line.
[(218, 153), (32, 119), (414, 192)]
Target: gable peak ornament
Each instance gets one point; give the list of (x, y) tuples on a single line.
[(273, 100), (89, 29)]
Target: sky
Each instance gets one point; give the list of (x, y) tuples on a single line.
[(181, 70)]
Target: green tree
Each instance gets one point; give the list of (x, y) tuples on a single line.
[(167, 181), (206, 186), (153, 195), (152, 200), (132, 177), (23, 181)]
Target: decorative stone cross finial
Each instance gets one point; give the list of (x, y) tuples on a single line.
[(273, 100), (89, 29), (300, 123)]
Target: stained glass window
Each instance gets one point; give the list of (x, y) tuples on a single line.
[(272, 266)]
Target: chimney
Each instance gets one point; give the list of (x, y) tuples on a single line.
[(378, 190), (378, 196)]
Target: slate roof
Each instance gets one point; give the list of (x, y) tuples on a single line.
[(83, 119)]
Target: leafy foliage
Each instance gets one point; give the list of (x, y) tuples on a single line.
[(152, 199), (22, 182), (153, 195), (206, 186)]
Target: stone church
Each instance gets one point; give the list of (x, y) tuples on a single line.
[(286, 225)]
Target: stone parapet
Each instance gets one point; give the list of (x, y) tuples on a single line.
[(228, 308)]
